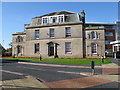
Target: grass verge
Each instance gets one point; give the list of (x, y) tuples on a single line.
[(65, 61)]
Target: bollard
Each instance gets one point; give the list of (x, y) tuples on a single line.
[(102, 59), (40, 58), (93, 67), (14, 56)]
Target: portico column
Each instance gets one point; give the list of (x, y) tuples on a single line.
[(54, 50), (22, 51), (14, 51), (113, 48), (117, 47)]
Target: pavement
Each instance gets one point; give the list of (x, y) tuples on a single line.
[(108, 77), (28, 82)]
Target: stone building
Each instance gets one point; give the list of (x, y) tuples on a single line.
[(63, 35)]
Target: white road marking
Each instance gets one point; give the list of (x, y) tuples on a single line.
[(58, 71), (33, 68), (69, 72), (74, 73), (84, 74), (12, 72)]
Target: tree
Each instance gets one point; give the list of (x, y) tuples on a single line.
[(10, 44)]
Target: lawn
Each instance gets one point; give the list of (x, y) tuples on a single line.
[(75, 61), (65, 61)]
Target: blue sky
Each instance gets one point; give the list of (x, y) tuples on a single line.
[(16, 14)]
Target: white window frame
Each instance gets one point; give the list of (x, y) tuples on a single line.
[(52, 32), (66, 48), (36, 35), (92, 48), (50, 18), (36, 49), (66, 32), (59, 18), (92, 35), (43, 20), (97, 36)]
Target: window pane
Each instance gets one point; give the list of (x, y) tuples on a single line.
[(115, 48), (36, 47), (51, 32), (45, 20), (60, 18), (108, 41), (19, 39), (93, 35), (36, 34), (108, 34), (54, 19), (68, 31), (67, 47), (94, 48)]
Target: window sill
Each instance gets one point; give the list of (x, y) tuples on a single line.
[(52, 37), (68, 37), (37, 38), (68, 53), (94, 53), (37, 53)]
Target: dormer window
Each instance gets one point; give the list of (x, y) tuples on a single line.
[(54, 19), (45, 20), (60, 19)]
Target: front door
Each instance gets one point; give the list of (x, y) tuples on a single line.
[(51, 50)]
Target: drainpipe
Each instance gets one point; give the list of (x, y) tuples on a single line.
[(83, 30)]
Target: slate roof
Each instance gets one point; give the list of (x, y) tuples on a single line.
[(56, 13)]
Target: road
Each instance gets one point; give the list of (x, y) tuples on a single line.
[(54, 76), (45, 73)]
